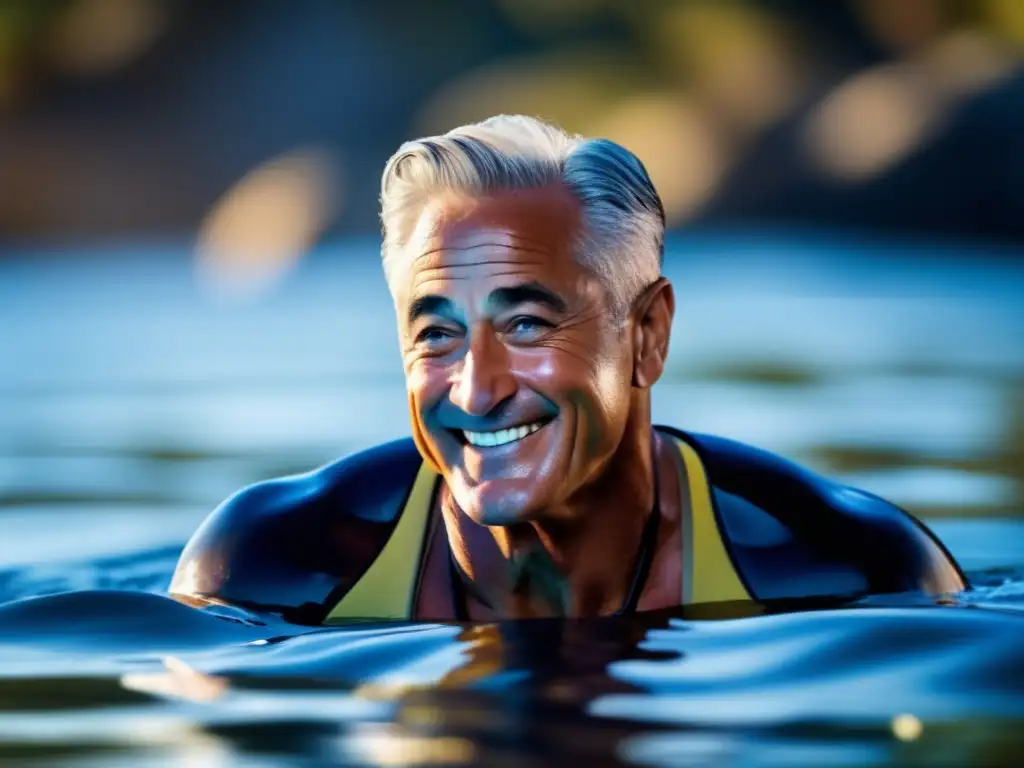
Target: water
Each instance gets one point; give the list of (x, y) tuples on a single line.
[(131, 402)]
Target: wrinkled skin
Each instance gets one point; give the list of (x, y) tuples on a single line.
[(499, 327)]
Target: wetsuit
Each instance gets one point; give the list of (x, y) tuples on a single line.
[(348, 540)]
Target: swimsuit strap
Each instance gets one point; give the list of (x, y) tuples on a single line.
[(645, 554), (457, 580)]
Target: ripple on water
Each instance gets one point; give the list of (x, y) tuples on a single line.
[(814, 688)]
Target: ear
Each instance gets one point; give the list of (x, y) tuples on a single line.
[(652, 325)]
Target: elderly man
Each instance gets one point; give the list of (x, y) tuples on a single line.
[(525, 266)]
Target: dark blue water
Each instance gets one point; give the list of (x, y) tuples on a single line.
[(131, 403), (105, 677)]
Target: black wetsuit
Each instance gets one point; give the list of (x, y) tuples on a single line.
[(348, 540)]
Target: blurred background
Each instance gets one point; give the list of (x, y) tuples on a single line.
[(190, 295)]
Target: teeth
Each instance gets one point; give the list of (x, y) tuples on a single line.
[(502, 436)]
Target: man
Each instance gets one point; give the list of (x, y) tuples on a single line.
[(525, 267)]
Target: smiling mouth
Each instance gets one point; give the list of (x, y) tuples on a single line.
[(500, 436)]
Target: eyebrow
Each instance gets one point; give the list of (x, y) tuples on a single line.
[(527, 293), (500, 298), (429, 305)]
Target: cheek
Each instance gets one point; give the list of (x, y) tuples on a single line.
[(603, 401), (426, 383), (596, 381), (613, 381), (606, 407)]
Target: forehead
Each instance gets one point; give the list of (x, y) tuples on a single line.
[(460, 242)]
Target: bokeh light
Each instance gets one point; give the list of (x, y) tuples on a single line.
[(871, 122), (264, 224), (95, 37), (739, 61), (676, 142), (570, 87)]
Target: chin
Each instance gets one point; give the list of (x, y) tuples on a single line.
[(496, 506)]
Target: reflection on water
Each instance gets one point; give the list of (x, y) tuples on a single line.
[(131, 405), (861, 686)]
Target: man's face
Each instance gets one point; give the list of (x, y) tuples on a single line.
[(519, 379)]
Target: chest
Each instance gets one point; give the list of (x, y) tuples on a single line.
[(437, 590)]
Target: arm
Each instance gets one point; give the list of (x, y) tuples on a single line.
[(242, 555), (899, 550), (793, 533), (295, 545)]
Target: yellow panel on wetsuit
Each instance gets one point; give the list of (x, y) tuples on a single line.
[(387, 589), (709, 575)]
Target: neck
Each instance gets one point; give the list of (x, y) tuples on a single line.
[(577, 559)]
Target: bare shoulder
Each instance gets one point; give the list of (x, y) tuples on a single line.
[(286, 545)]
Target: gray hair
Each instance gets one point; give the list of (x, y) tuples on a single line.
[(622, 241)]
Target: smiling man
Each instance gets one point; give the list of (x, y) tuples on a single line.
[(525, 267)]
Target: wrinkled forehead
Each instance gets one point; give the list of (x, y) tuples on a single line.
[(459, 242)]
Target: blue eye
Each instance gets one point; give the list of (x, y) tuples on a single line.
[(433, 335), (528, 326)]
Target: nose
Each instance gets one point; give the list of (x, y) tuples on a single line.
[(484, 380)]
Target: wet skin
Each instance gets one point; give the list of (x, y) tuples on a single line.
[(502, 329)]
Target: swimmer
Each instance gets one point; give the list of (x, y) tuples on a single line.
[(533, 319)]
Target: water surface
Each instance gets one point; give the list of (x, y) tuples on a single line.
[(131, 402)]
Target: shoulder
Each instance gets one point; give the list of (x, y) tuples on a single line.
[(284, 545), (794, 533)]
